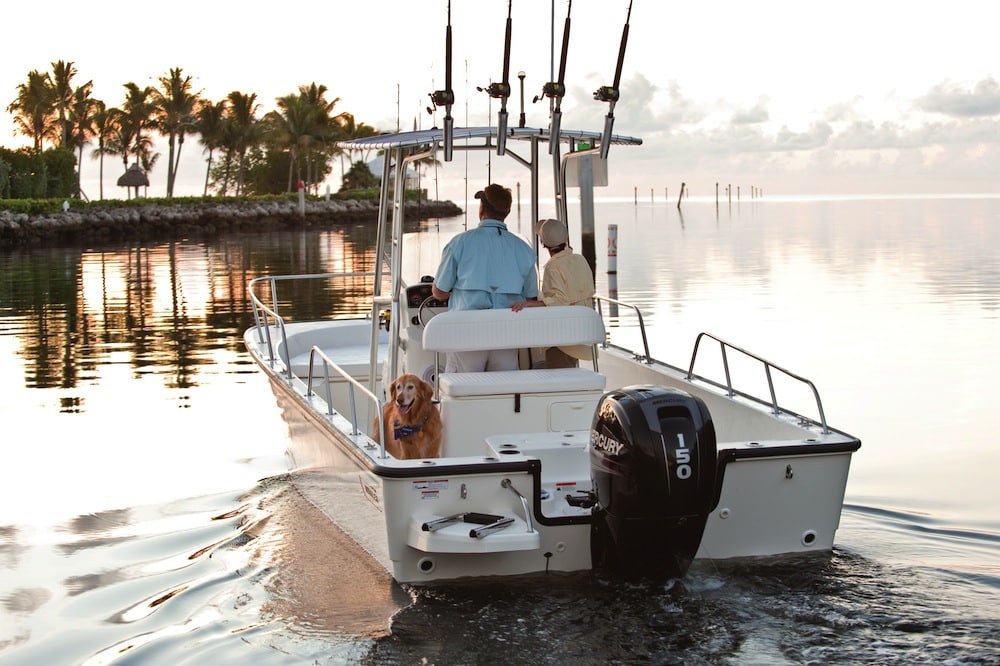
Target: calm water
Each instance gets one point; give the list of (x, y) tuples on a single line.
[(146, 515)]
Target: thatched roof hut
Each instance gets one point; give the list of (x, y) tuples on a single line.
[(134, 177)]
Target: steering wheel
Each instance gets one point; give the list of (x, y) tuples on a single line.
[(425, 314)]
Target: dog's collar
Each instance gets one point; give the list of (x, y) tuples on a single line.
[(401, 431)]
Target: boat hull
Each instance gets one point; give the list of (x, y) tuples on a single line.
[(780, 493)]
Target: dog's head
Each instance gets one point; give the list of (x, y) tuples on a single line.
[(409, 390)]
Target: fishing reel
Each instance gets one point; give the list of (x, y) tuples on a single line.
[(606, 94), (441, 98), (553, 89), (498, 90)]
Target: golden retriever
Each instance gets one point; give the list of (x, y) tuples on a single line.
[(412, 420)]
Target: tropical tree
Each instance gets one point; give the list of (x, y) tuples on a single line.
[(351, 129), (358, 177), (33, 107), (147, 160), (104, 123), (244, 131), (62, 98), (294, 128), (210, 122), (323, 143), (122, 135), (174, 116), (227, 142), (135, 120), (81, 123), (304, 129)]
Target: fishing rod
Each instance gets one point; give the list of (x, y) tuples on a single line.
[(610, 94), (501, 89), (557, 89), (446, 97)]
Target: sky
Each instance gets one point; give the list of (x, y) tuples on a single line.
[(847, 97)]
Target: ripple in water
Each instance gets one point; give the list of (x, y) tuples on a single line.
[(216, 579), (263, 577)]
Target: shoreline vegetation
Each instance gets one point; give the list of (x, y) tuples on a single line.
[(159, 219)]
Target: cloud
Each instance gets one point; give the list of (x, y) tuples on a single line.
[(757, 114), (843, 146), (953, 100)]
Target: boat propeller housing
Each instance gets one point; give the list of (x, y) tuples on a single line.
[(654, 467)]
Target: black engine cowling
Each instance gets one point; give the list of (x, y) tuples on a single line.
[(654, 465)]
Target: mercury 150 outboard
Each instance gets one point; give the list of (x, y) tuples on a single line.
[(653, 463)]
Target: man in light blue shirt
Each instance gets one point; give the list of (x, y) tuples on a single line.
[(486, 268)]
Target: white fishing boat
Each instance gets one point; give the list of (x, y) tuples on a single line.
[(626, 461)]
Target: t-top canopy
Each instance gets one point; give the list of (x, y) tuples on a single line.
[(436, 135)]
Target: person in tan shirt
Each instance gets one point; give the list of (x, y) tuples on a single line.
[(567, 280)]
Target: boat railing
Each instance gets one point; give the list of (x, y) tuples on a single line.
[(353, 385), (613, 311), (266, 317), (769, 368)]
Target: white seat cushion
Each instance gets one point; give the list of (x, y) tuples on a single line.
[(460, 384), (556, 326)]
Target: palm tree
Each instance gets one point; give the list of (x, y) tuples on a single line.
[(127, 136), (135, 120), (33, 108), (228, 143), (244, 131), (147, 161), (62, 97), (175, 116), (295, 128), (210, 124), (122, 137), (327, 134), (81, 123), (104, 123), (351, 129)]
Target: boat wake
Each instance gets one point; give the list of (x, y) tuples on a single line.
[(966, 559), (263, 576), (213, 579)]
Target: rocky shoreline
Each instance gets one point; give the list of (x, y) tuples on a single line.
[(157, 220)]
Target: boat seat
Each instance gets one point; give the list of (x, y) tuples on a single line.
[(505, 382), (345, 342), (470, 330), (354, 360), (476, 405)]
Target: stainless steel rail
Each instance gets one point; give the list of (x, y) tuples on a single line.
[(645, 357), (352, 385), (267, 319), (768, 367), (506, 483)]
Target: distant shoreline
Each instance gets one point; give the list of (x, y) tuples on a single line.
[(157, 220)]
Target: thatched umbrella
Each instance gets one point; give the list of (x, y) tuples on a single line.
[(134, 177)]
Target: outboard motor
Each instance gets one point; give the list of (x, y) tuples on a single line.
[(653, 464)]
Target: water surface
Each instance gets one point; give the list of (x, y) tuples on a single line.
[(146, 514)]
